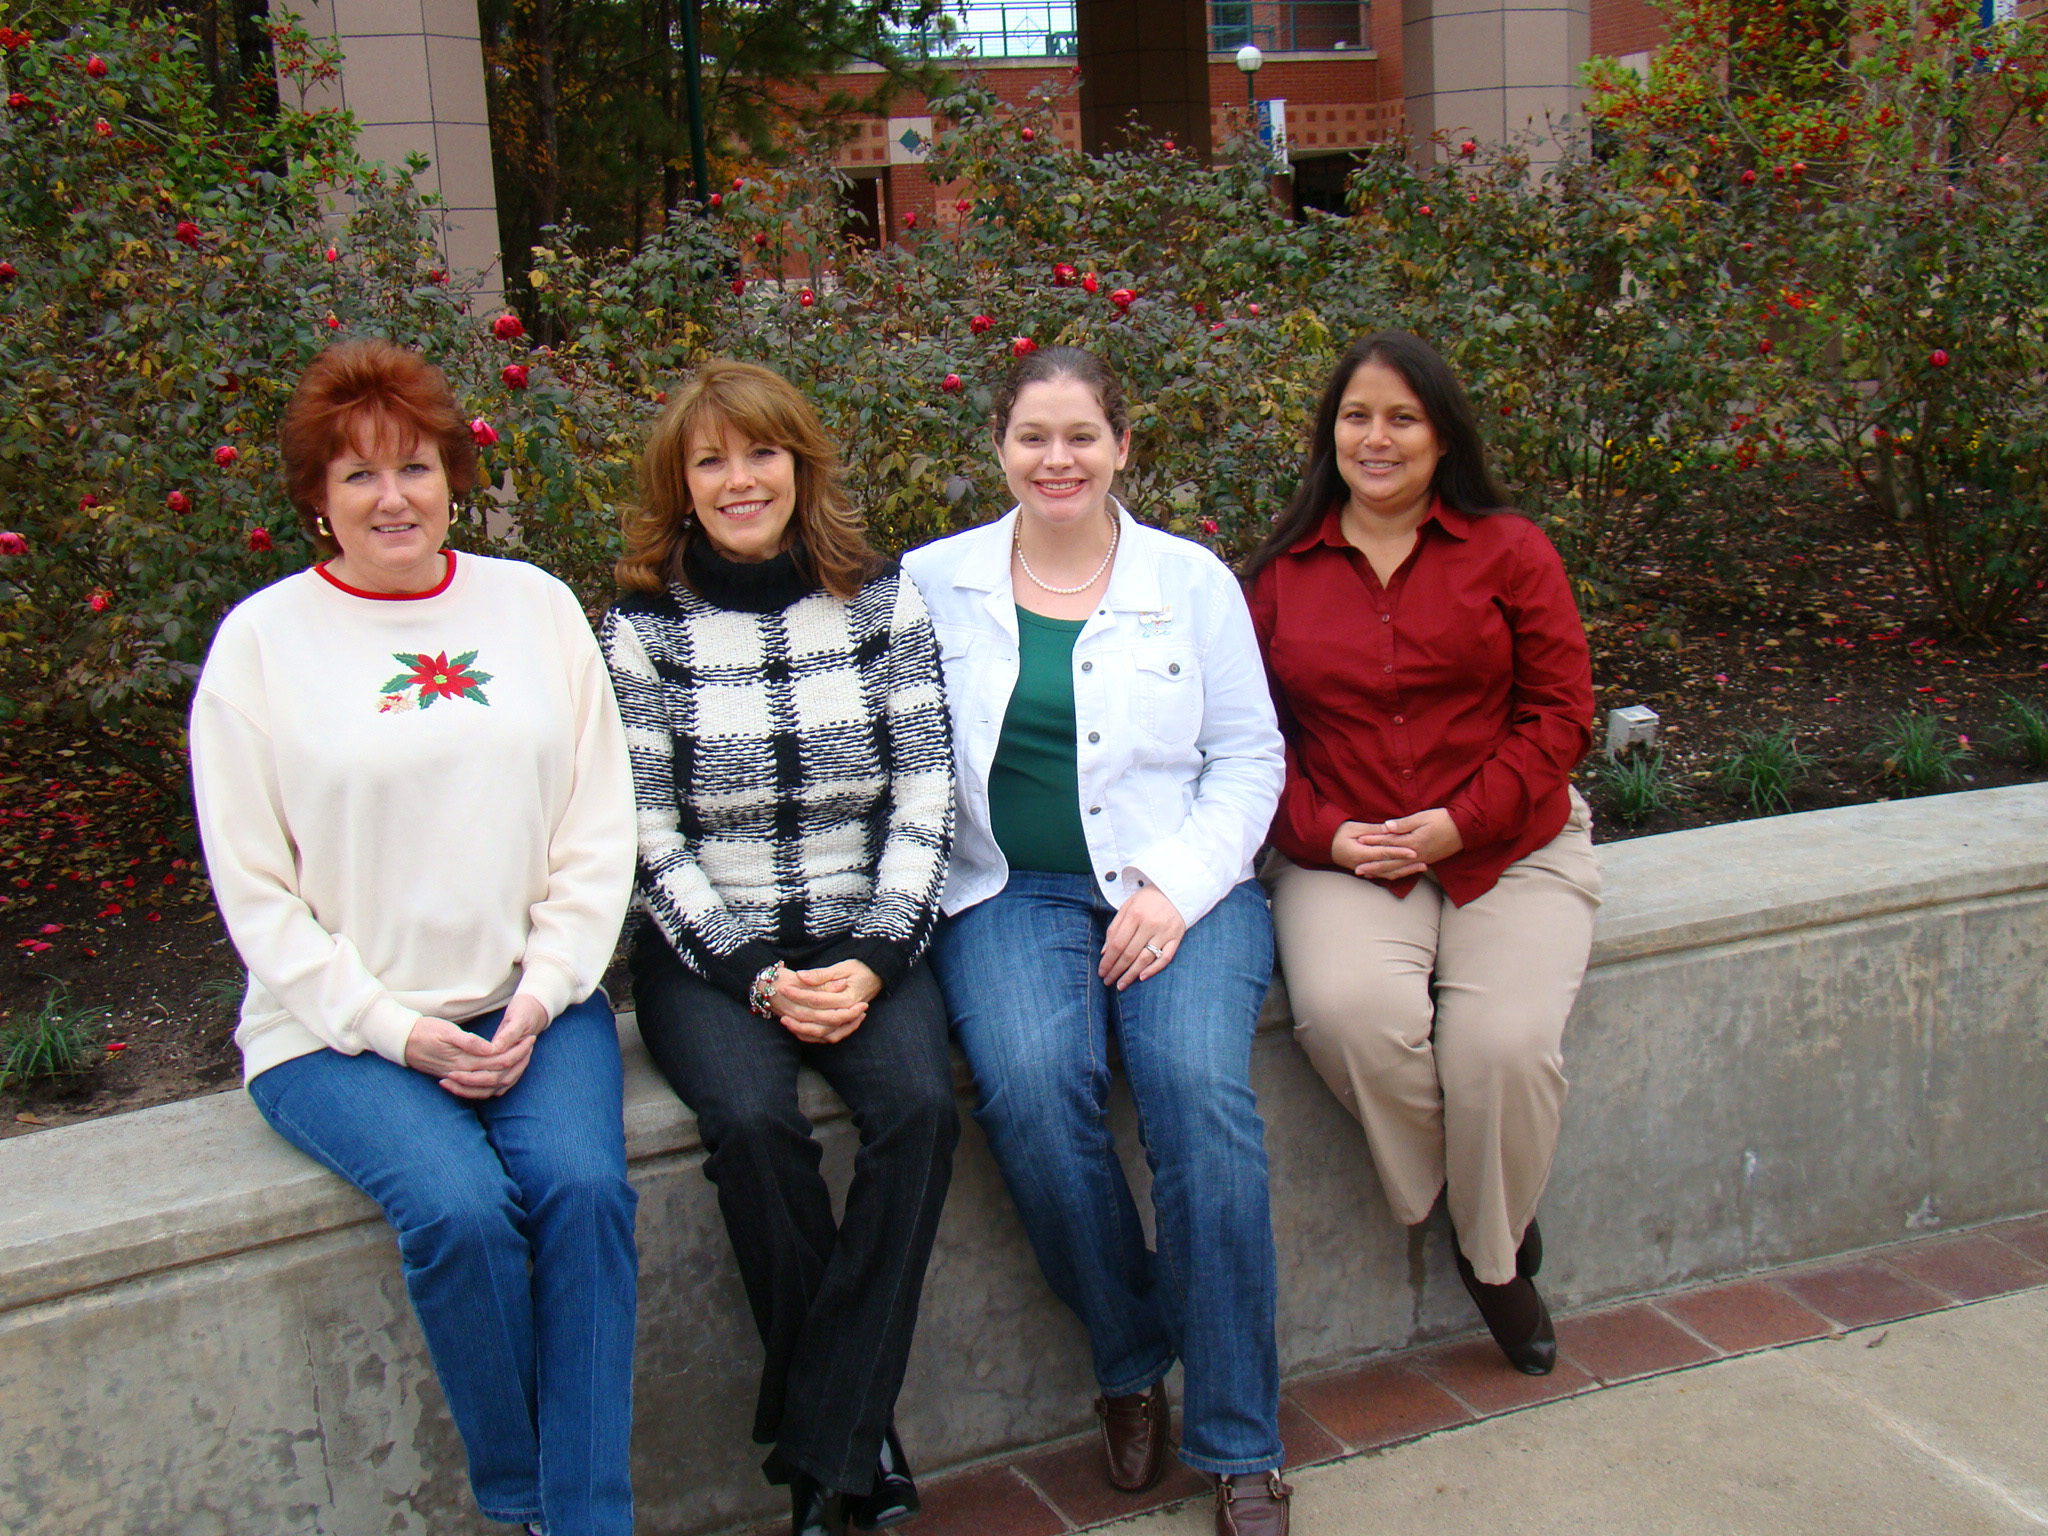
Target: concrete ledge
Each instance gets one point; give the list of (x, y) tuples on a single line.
[(1800, 1036)]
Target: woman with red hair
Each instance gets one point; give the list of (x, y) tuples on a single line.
[(418, 818)]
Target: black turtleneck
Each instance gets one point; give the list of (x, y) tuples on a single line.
[(748, 586)]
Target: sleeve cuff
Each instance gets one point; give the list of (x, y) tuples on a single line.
[(889, 960), (734, 974), (1180, 878), (548, 982), (386, 1025), (1471, 830)]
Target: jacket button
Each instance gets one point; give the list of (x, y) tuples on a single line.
[(1109, 875), (1094, 810), (1094, 736), (1087, 666), (1174, 668)]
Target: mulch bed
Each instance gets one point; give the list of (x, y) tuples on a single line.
[(1803, 612)]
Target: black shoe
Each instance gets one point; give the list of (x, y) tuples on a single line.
[(894, 1497), (1529, 1257), (1515, 1315), (815, 1510)]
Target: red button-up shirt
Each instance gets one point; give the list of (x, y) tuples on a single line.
[(1462, 683)]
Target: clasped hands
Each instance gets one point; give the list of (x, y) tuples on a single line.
[(826, 1005), (1392, 850), (468, 1065)]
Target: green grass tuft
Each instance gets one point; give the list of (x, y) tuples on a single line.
[(1762, 770), (1635, 784), (1921, 751), (54, 1039), (2026, 731)]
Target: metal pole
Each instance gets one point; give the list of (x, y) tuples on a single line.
[(693, 91)]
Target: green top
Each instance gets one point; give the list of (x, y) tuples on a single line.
[(1034, 787)]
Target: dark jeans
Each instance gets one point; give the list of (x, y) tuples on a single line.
[(835, 1306)]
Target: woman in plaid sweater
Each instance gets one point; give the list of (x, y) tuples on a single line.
[(780, 691)]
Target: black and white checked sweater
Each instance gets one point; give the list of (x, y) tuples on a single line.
[(792, 767)]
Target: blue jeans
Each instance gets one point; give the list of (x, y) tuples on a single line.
[(1018, 972), (515, 1232)]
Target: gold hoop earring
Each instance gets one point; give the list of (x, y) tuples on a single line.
[(320, 525)]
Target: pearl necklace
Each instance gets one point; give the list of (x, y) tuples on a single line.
[(1116, 532)]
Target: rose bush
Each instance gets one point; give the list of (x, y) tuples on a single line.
[(172, 278)]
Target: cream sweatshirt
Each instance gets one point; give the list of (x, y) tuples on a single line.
[(410, 806)]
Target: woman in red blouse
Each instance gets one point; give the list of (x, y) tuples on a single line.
[(1435, 882)]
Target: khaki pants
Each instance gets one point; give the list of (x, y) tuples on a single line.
[(1440, 1026)]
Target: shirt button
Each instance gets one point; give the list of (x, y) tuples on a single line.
[(1407, 773), (1174, 668), (1094, 736), (1386, 618), (1094, 810), (1087, 666), (1386, 669), (1400, 719)]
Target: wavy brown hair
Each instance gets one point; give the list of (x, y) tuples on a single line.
[(347, 397), (829, 540)]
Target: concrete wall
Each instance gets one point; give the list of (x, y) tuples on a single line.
[(1800, 1036), (413, 74), (1491, 68)]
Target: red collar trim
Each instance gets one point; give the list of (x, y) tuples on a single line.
[(1331, 530), (390, 597)]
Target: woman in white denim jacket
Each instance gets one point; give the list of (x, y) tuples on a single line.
[(1118, 764)]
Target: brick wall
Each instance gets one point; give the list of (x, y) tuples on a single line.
[(1626, 26)]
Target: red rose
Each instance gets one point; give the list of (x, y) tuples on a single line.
[(1468, 149), (1028, 135), (807, 298), (7, 273), (1208, 525), (19, 101), (738, 182), (437, 276), (1252, 310), (333, 324), (761, 238), (1423, 210), (87, 502), (103, 128), (950, 384), (739, 285), (1063, 275), (98, 601), (1938, 357), (1766, 347), (507, 328), (13, 544), (980, 324), (96, 67), (718, 200), (1167, 146), (178, 501), (333, 253), (259, 539), (1022, 346), (963, 206), (483, 432), (514, 375), (226, 454), (910, 221), (1122, 298), (1090, 283)]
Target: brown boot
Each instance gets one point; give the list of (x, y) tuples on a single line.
[(1135, 1429), (1252, 1504)]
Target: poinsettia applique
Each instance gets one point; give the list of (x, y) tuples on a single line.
[(435, 677)]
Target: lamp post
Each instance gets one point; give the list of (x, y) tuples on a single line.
[(1249, 59)]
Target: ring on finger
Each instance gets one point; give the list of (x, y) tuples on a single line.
[(1156, 950)]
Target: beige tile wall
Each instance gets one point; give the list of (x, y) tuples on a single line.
[(1491, 68)]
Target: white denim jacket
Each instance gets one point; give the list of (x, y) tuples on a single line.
[(1178, 751)]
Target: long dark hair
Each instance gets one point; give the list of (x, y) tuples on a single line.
[(1462, 479)]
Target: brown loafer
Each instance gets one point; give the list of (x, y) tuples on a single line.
[(1252, 1504), (1135, 1428)]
